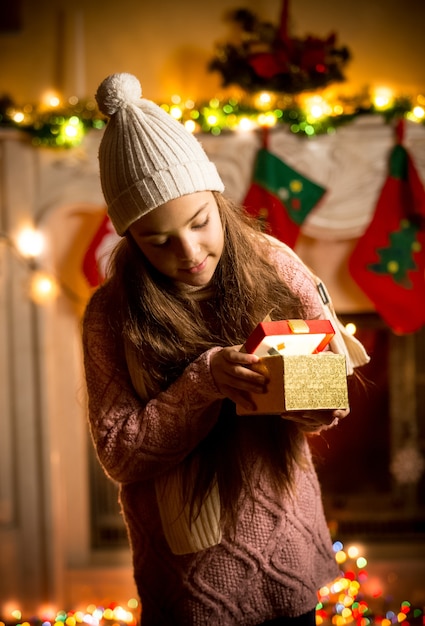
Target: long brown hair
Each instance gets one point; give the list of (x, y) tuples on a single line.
[(170, 328)]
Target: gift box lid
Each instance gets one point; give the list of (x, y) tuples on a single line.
[(290, 337)]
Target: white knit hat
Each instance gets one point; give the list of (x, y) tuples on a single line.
[(146, 157)]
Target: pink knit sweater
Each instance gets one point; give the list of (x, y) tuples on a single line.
[(281, 553)]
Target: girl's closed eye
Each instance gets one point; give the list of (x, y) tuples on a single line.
[(203, 224), (160, 243)]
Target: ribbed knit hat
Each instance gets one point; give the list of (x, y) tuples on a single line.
[(146, 157)]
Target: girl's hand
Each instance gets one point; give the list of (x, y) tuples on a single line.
[(318, 419), (234, 379)]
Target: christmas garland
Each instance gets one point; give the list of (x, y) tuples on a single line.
[(66, 125)]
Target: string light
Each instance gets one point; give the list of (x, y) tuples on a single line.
[(383, 97), (351, 328), (30, 242), (92, 615), (63, 124), (43, 288), (176, 112), (344, 602), (51, 100)]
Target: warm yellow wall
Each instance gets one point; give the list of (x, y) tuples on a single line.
[(167, 43)]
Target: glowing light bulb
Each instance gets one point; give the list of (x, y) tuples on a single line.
[(18, 117), (245, 124), (353, 551), (361, 562), (212, 120), (316, 111), (70, 131), (30, 243), (51, 99), (267, 119), (419, 112), (324, 591), (176, 112), (263, 100), (190, 125), (340, 557), (43, 288), (351, 328), (316, 107), (383, 97)]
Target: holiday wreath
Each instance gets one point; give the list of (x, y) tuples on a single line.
[(265, 57)]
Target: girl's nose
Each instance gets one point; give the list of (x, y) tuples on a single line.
[(186, 248)]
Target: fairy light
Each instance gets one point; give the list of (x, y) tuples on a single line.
[(340, 557), (417, 114), (316, 108), (267, 119), (176, 112), (383, 97), (71, 128), (212, 119), (245, 124), (70, 132), (30, 243), (361, 562), (263, 100), (51, 99), (353, 551), (52, 124), (18, 117), (351, 328), (190, 125), (43, 288)]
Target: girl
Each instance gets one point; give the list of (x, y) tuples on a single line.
[(224, 512)]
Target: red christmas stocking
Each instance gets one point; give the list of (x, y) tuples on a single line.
[(388, 262), (280, 197), (97, 253)]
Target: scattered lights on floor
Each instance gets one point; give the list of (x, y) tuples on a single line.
[(352, 598), (92, 615), (345, 601)]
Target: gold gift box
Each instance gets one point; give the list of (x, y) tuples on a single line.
[(297, 381)]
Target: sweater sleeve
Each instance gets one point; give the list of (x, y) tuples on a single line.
[(137, 440)]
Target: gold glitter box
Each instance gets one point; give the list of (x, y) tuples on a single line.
[(302, 376)]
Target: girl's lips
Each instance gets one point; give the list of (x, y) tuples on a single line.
[(197, 268)]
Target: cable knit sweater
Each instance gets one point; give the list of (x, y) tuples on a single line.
[(281, 553)]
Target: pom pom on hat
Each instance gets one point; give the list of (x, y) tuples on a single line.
[(146, 157), (117, 91)]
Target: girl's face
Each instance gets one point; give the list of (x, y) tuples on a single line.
[(183, 238)]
